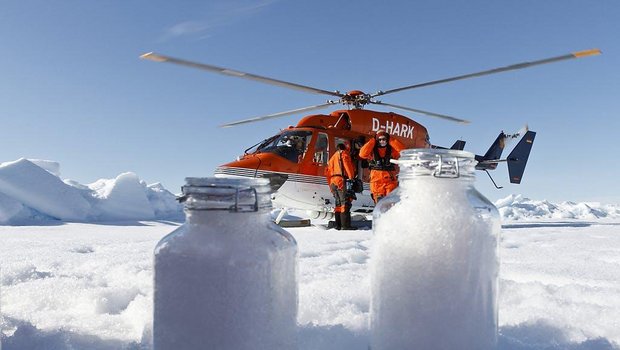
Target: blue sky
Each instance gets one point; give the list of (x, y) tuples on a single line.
[(72, 88)]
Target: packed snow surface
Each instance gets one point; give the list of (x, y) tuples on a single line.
[(89, 286)]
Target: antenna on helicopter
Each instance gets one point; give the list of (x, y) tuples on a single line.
[(356, 99)]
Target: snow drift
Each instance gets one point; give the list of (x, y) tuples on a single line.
[(32, 192), (517, 207), (41, 190)]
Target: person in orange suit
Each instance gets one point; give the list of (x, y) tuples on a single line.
[(379, 151), (339, 171)]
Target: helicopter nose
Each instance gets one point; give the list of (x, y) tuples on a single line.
[(243, 167), (250, 167)]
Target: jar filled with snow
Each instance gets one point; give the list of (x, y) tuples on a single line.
[(434, 261), (227, 278)]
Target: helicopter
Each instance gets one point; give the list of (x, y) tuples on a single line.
[(295, 158)]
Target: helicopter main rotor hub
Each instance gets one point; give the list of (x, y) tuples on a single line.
[(356, 98)]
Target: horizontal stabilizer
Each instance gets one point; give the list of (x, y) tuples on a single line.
[(517, 159)]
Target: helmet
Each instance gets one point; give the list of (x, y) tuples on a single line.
[(382, 133)]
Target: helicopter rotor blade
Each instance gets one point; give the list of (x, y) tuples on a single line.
[(572, 55), (225, 71), (278, 115), (431, 114)]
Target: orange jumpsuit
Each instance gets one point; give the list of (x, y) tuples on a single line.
[(339, 168), (382, 182)]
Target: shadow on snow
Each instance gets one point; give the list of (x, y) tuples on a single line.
[(538, 336), (542, 336), (28, 337), (559, 224)]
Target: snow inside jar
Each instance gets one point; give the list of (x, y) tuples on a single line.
[(434, 260), (227, 278)]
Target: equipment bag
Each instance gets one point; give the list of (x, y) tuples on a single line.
[(358, 185)]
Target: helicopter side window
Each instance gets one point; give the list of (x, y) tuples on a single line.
[(302, 145), (291, 145), (321, 149)]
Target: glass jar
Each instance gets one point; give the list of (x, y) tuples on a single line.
[(226, 278), (434, 260)]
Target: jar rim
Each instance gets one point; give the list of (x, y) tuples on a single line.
[(232, 194), (436, 151), (436, 162)]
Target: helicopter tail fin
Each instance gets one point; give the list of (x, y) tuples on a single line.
[(489, 160), (458, 145), (517, 159)]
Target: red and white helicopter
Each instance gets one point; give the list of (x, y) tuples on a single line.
[(295, 158)]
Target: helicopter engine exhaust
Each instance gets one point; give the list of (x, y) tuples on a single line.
[(320, 215)]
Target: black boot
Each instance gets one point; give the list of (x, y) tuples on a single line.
[(338, 221), (346, 221)]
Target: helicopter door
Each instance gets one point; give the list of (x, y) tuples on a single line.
[(312, 189), (321, 153), (317, 156)]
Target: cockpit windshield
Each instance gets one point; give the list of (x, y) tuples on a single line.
[(291, 145)]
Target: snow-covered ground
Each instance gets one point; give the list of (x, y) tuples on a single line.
[(89, 286), (76, 268)]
